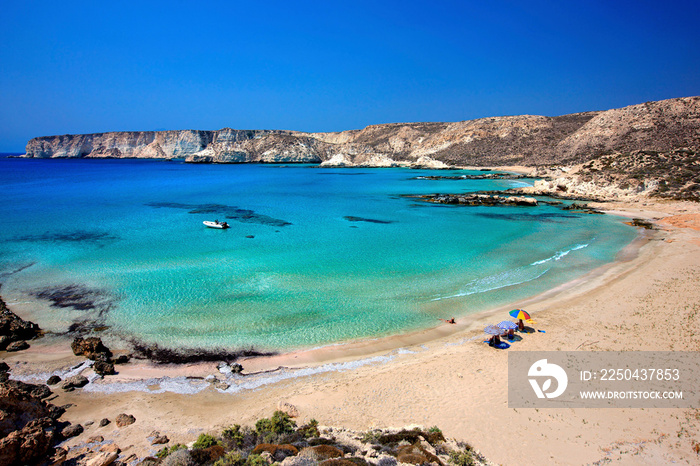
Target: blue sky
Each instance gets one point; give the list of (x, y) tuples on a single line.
[(86, 66)]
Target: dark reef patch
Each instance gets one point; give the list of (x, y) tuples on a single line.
[(525, 217), (160, 355), (78, 236), (74, 296), (351, 218), (226, 211), (94, 303)]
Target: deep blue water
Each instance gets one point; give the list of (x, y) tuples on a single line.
[(314, 256)]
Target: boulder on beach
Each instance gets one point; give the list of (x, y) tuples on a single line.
[(72, 430), (91, 348), (124, 420), (77, 381), (17, 346), (287, 408), (53, 380), (103, 368), (34, 390)]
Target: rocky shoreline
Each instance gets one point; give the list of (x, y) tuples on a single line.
[(14, 331), (32, 432), (477, 199)]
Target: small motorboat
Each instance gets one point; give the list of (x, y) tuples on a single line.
[(216, 224)]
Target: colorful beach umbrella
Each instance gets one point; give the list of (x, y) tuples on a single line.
[(507, 325), (519, 314), (493, 330)]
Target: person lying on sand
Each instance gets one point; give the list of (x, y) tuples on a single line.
[(449, 321)]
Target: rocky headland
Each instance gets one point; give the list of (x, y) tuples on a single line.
[(645, 149)]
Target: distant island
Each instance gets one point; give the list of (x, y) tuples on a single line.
[(646, 149)]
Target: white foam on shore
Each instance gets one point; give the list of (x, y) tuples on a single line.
[(513, 277), (42, 377), (182, 385), (252, 382), (495, 282), (560, 254), (236, 382)]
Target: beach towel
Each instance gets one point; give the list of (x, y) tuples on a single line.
[(502, 345)]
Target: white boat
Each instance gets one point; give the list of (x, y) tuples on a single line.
[(216, 224)]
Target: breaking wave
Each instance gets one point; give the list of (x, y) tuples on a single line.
[(518, 276), (559, 254), (494, 282)]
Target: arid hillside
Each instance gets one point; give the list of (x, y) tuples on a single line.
[(654, 143)]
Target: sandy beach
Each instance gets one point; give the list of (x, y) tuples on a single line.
[(447, 377)]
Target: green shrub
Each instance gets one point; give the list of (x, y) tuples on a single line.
[(371, 436), (255, 460), (234, 435), (204, 441), (162, 453), (310, 430), (231, 459), (279, 423), (435, 430), (462, 458)]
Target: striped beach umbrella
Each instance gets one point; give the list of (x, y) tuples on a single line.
[(519, 314), (507, 325)]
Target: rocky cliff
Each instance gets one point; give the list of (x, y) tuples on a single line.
[(524, 140), (535, 141)]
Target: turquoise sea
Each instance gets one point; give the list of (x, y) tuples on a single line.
[(314, 256)]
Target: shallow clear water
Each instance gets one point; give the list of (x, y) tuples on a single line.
[(335, 254)]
